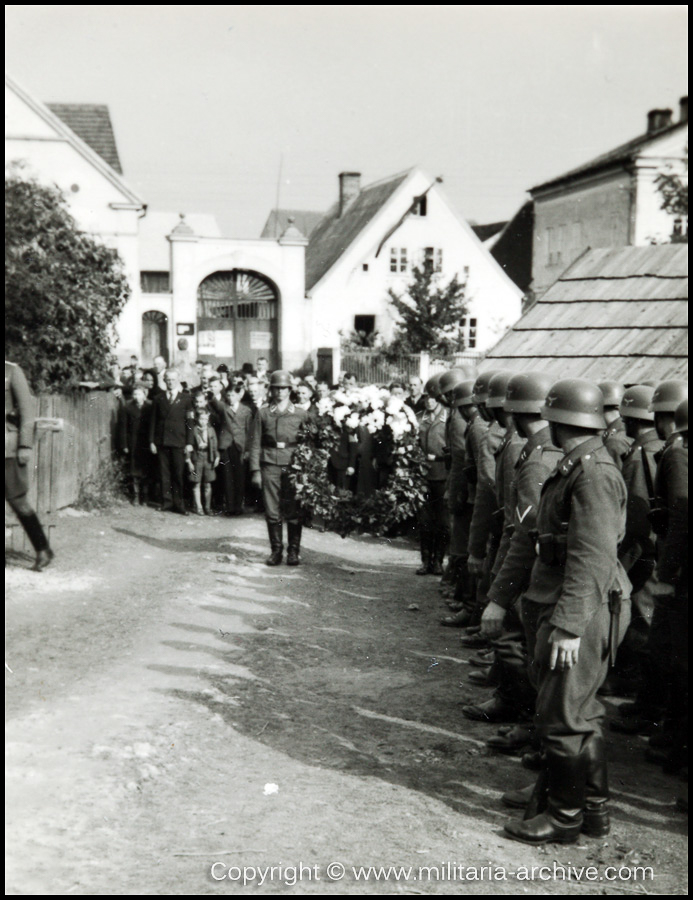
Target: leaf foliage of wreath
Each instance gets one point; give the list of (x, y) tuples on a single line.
[(342, 511)]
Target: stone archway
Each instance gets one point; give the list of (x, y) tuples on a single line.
[(154, 336), (237, 317)]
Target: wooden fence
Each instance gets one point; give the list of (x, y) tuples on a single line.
[(74, 437)]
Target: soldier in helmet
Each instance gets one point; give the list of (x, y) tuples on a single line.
[(616, 440), (515, 696), (574, 607), (274, 437), (433, 530), (20, 413)]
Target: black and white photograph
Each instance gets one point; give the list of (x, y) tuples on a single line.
[(346, 449)]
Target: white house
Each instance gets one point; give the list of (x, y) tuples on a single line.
[(369, 241), (610, 201), (72, 146)]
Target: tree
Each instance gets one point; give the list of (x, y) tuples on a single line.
[(430, 314), (64, 290), (673, 186)]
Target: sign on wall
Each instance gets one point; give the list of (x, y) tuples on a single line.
[(184, 329), (215, 343), (260, 340)]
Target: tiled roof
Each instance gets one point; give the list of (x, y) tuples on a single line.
[(335, 233), (618, 314), (278, 221), (92, 123), (623, 154)]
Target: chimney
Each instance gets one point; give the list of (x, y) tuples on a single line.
[(349, 189), (658, 119), (683, 109)]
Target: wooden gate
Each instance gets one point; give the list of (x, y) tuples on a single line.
[(73, 439), (237, 319)]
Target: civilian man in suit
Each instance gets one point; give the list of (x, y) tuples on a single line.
[(235, 423), (20, 413), (169, 436)]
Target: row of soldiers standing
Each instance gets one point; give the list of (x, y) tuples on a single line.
[(564, 507)]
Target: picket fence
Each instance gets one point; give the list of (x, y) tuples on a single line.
[(370, 368)]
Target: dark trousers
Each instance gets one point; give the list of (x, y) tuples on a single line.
[(433, 515), (232, 470), (339, 477), (279, 495), (510, 647), (568, 712), (172, 476)]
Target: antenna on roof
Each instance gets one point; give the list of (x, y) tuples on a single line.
[(277, 223)]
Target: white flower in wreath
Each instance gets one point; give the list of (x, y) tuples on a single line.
[(340, 413), (353, 421), (325, 406), (341, 398)]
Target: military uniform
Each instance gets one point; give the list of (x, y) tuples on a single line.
[(20, 415), (433, 530), (273, 441), (617, 441)]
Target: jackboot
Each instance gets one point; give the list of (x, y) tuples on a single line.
[(294, 543), (426, 551), (493, 710), (596, 821), (275, 531), (565, 800), (440, 546)]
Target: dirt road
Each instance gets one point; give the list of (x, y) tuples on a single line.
[(173, 704)]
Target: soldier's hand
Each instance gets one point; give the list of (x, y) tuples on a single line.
[(256, 479), (350, 470), (475, 566), (564, 649), (492, 620), (23, 456), (152, 447)]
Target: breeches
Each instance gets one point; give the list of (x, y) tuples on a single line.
[(459, 532), (568, 713), (279, 495)]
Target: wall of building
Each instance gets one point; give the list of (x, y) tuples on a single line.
[(571, 219), (652, 223), (92, 198), (351, 290)]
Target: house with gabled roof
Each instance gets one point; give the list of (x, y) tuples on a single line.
[(616, 314), (73, 146), (368, 242), (610, 201)]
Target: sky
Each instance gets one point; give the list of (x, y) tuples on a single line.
[(221, 109)]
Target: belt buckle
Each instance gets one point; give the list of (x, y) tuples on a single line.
[(281, 445)]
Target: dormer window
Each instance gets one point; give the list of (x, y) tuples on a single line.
[(421, 207)]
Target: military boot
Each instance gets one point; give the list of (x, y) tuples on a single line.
[(275, 532), (440, 545), (596, 819), (562, 819), (426, 554), (294, 544)]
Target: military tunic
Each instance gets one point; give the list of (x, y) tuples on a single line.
[(617, 441), (457, 489), (273, 440), (580, 522), (432, 438), (20, 414)]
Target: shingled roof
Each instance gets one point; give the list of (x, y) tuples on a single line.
[(618, 314), (92, 123), (277, 222), (622, 155), (335, 233)]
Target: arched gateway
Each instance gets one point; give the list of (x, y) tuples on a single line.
[(237, 318)]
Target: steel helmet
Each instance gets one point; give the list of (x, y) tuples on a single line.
[(577, 402), (612, 392), (462, 395), (280, 378), (635, 403), (432, 386), (681, 416), (497, 388), (481, 385), (450, 379), (526, 393), (668, 395)]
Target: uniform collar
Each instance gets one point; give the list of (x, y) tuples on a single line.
[(617, 426), (585, 450), (646, 439), (290, 408)]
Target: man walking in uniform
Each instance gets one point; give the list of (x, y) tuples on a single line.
[(274, 438), (19, 440)]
